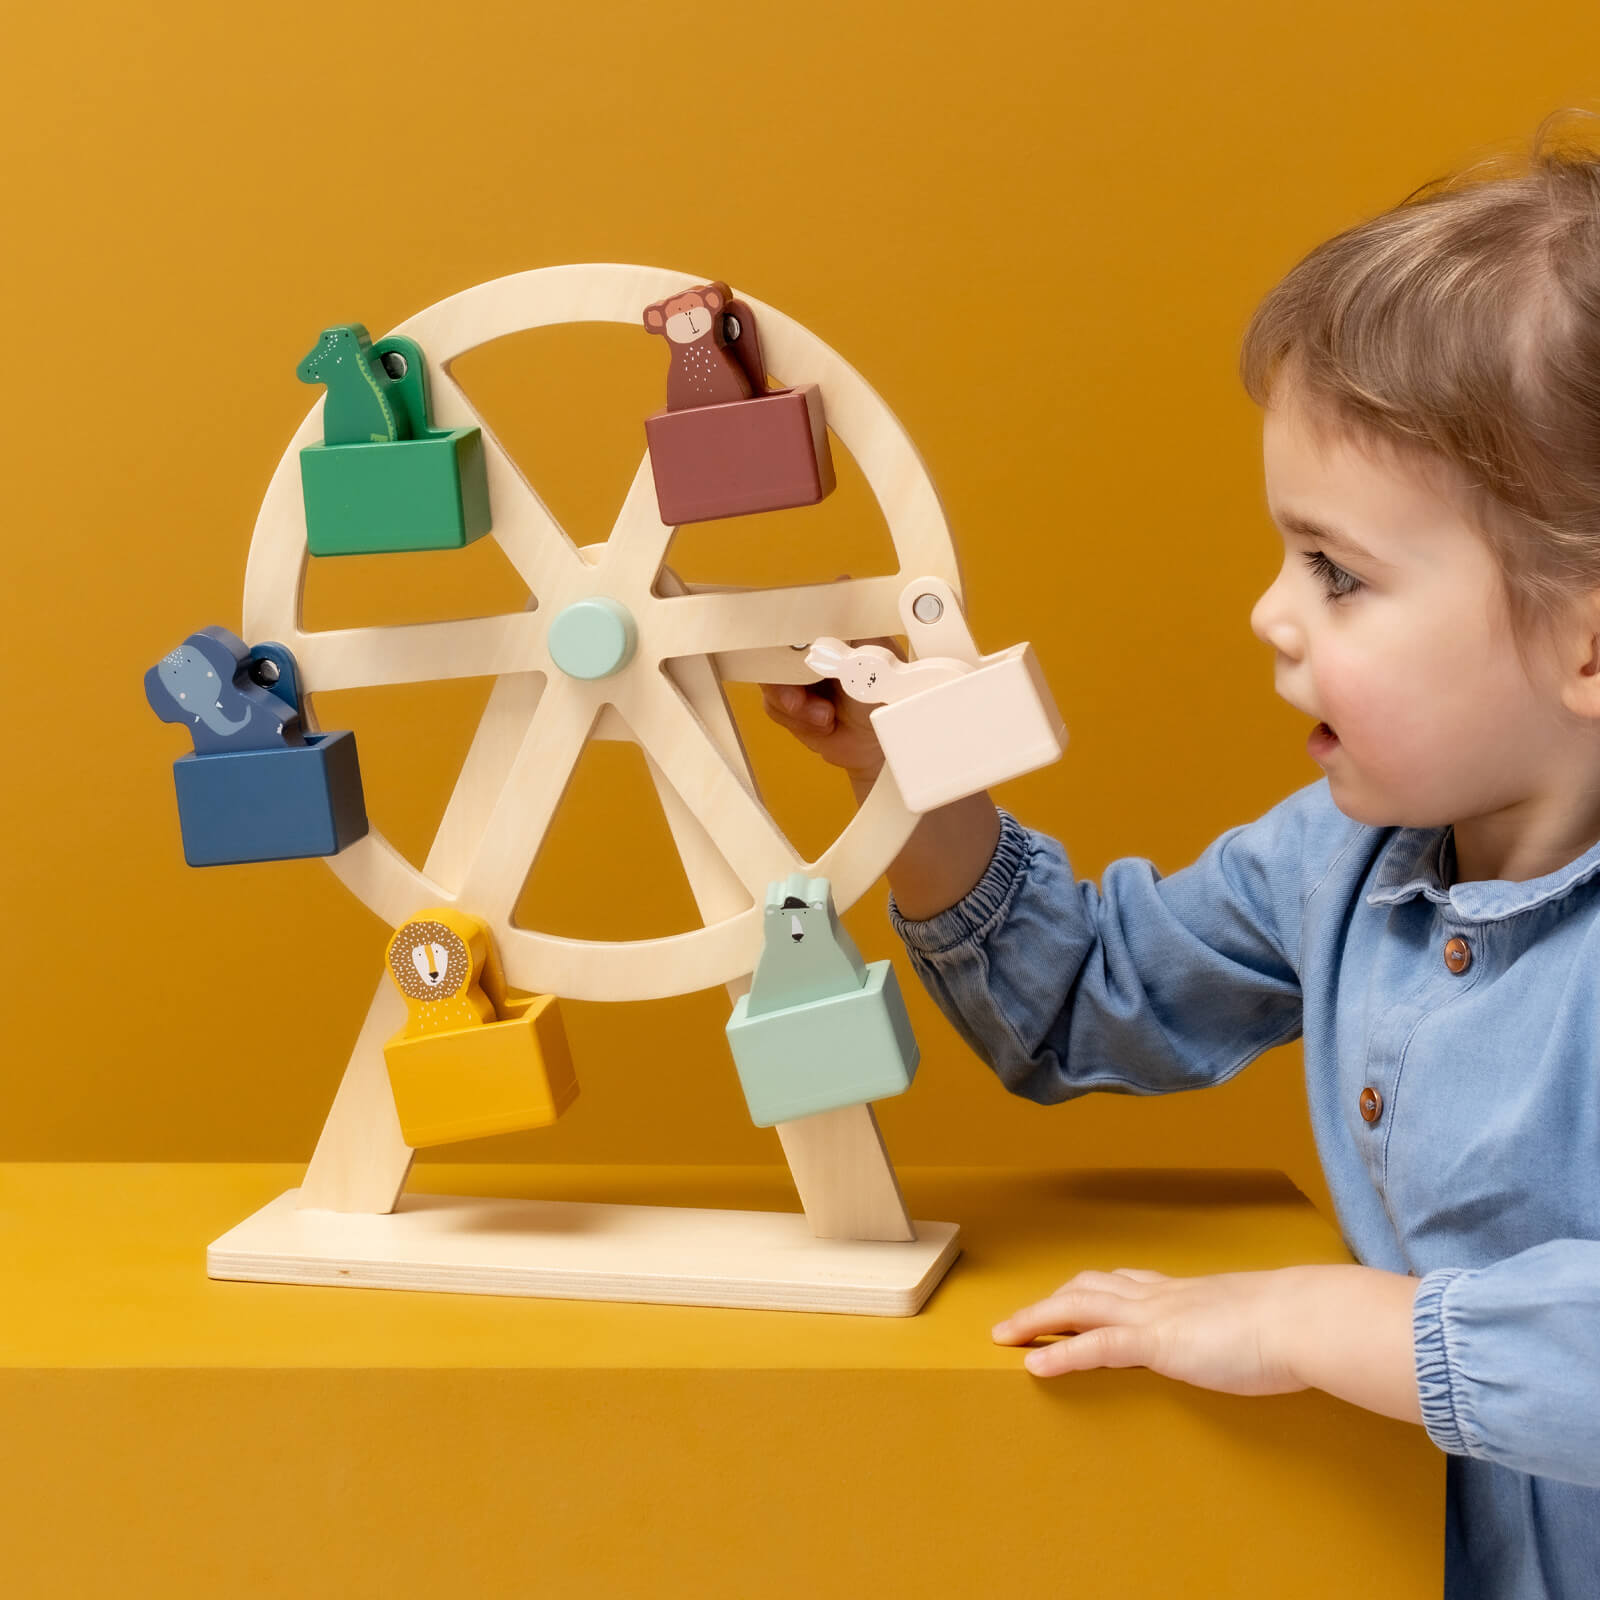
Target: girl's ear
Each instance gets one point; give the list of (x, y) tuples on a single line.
[(1580, 658)]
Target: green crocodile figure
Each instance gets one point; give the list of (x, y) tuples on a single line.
[(359, 408)]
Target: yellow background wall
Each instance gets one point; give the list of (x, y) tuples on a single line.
[(1038, 231)]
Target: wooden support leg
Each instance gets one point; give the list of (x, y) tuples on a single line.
[(845, 1180), (361, 1160), (844, 1177)]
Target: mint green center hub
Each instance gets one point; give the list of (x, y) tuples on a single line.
[(592, 638)]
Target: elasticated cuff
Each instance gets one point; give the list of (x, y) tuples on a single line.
[(983, 906), (1435, 1378)]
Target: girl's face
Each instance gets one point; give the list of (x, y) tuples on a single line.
[(1390, 625)]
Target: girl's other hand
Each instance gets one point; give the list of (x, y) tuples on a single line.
[(1222, 1332), (1342, 1328)]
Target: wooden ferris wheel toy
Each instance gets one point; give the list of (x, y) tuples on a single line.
[(611, 645)]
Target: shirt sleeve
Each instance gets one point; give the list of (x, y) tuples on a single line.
[(1508, 1360), (1146, 985)]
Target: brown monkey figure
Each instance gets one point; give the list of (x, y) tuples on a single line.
[(704, 372)]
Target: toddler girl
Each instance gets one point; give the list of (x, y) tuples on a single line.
[(1426, 915)]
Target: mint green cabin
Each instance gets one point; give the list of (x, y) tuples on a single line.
[(404, 484), (820, 1028)]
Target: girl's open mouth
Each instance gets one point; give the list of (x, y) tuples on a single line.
[(1322, 740)]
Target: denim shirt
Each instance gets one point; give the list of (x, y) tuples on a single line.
[(1473, 1012)]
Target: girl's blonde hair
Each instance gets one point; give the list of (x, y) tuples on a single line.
[(1465, 324)]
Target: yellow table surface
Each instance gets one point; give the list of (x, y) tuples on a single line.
[(170, 1435)]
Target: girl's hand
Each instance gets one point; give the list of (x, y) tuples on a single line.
[(828, 721), (1219, 1333), (1345, 1329)]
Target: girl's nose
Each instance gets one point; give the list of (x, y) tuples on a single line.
[(1272, 621)]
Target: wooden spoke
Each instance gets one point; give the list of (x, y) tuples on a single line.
[(534, 542), (697, 681), (639, 538), (684, 751), (776, 664), (479, 647), (522, 814), (779, 663), (718, 622), (500, 733)]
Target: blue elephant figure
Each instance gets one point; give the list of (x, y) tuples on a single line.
[(205, 683)]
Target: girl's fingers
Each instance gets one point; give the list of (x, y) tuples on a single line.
[(1111, 1282), (787, 697), (1117, 1346), (1081, 1302), (791, 699), (1067, 1310), (816, 718), (792, 708)]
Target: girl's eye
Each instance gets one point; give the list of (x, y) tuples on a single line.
[(1340, 585)]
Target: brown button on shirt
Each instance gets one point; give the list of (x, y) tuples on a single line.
[(1457, 955), (1371, 1103)]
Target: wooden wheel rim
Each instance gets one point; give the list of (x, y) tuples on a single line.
[(502, 805)]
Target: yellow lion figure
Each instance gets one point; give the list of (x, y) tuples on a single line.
[(445, 964)]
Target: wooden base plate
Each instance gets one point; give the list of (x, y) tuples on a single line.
[(570, 1250)]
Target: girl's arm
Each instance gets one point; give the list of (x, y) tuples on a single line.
[(1145, 984), (946, 855), (1348, 1330)]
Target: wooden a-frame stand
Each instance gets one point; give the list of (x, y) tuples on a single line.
[(854, 1249)]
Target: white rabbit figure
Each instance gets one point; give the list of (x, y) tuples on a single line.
[(873, 675)]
